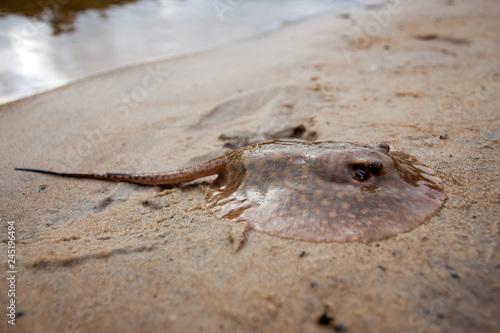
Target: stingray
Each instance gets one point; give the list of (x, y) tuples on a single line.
[(311, 191)]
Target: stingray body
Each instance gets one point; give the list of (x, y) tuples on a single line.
[(312, 191)]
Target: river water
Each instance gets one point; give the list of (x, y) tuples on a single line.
[(45, 44)]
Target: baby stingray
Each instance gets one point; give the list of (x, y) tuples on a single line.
[(311, 191)]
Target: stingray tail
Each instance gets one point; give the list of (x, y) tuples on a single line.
[(169, 178)]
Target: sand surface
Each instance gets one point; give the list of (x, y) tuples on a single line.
[(100, 257)]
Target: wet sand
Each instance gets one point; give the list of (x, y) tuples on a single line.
[(98, 256)]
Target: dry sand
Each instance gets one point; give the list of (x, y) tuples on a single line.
[(100, 257)]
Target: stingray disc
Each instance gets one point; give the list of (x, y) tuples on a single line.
[(326, 191)]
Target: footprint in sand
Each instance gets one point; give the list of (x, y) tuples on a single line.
[(263, 115)]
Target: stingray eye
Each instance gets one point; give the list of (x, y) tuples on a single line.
[(361, 172), (375, 166), (383, 147)]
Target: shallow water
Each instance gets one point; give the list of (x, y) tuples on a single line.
[(45, 44)]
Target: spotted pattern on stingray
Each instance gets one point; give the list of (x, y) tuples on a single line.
[(312, 191), (326, 191)]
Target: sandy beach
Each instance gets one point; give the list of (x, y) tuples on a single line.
[(94, 256)]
